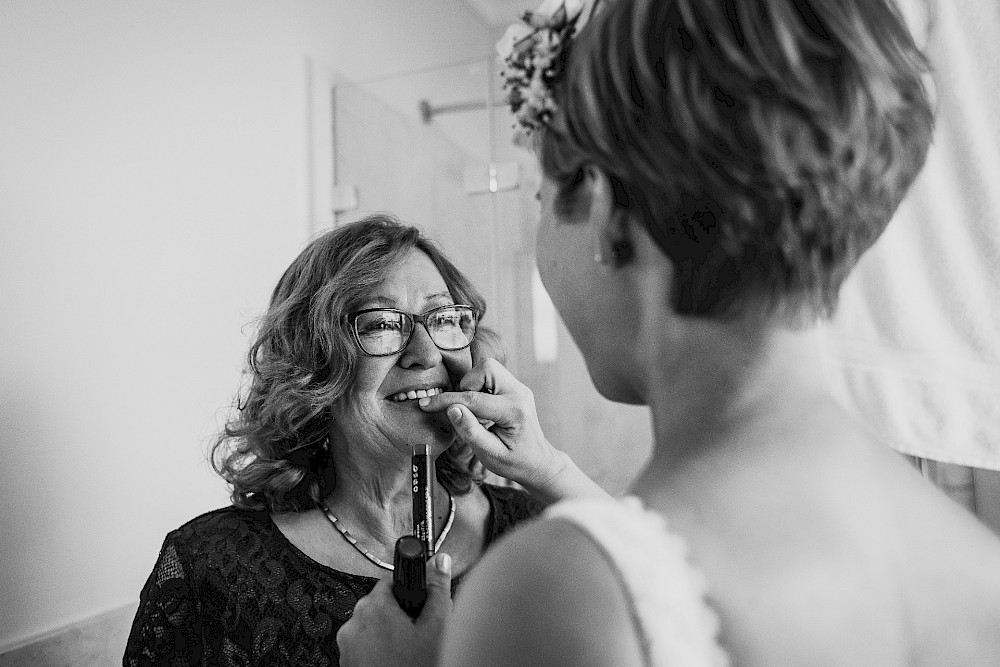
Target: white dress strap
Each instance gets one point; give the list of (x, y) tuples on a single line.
[(666, 593)]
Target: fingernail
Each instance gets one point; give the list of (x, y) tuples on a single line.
[(423, 402), (444, 563), (455, 414)]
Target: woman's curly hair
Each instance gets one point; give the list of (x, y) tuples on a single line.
[(763, 144), (303, 360)]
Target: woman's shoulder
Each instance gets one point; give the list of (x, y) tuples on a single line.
[(510, 504), (223, 518), (223, 525), (667, 593), (591, 563), (530, 577)]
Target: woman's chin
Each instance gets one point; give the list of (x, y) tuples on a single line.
[(439, 422), (430, 428)]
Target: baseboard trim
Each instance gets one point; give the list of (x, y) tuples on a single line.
[(90, 641)]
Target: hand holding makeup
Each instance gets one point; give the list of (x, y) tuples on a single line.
[(380, 633), (514, 446)]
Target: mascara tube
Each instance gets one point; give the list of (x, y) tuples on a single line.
[(422, 485)]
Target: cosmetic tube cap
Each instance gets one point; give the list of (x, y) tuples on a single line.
[(409, 578)]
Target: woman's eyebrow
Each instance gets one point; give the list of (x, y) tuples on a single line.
[(446, 295), (380, 301), (384, 301)]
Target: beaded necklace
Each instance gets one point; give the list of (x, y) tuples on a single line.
[(375, 559)]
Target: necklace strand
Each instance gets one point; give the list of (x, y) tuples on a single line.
[(375, 559)]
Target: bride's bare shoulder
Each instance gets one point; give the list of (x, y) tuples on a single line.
[(544, 594)]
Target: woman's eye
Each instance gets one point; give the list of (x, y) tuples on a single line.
[(538, 196), (446, 320), (380, 325)]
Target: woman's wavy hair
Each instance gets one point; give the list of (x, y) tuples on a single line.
[(303, 360), (764, 144)]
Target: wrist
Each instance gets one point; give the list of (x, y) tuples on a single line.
[(562, 480)]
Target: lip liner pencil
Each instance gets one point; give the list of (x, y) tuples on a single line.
[(422, 478)]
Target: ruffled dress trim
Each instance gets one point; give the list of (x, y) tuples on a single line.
[(666, 592)]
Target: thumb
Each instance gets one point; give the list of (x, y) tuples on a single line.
[(469, 429), (438, 604)]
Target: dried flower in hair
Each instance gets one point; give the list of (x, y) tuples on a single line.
[(534, 52)]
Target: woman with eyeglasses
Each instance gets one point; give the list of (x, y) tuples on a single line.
[(369, 320)]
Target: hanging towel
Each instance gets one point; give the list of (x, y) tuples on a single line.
[(914, 350)]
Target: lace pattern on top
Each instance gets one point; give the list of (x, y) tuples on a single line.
[(667, 594), (229, 589)]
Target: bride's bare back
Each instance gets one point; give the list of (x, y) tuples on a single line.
[(831, 549)]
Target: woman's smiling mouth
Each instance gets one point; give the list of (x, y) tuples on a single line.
[(414, 394)]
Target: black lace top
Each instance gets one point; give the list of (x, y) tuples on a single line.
[(229, 589)]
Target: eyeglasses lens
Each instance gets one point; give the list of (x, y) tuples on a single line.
[(451, 328), (383, 332)]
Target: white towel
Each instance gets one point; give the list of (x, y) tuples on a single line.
[(914, 350)]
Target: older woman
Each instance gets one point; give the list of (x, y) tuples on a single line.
[(713, 169), (370, 318)]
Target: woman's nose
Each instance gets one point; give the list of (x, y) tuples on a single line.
[(421, 350)]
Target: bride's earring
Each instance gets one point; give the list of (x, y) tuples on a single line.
[(620, 251)]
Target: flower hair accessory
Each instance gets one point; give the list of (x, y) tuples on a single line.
[(534, 52)]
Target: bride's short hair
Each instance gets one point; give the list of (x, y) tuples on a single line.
[(765, 144)]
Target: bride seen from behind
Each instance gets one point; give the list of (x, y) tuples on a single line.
[(712, 171)]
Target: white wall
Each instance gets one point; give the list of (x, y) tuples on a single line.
[(154, 178)]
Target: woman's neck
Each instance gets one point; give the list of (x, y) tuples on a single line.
[(374, 499), (728, 390)]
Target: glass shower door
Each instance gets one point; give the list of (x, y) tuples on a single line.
[(434, 149)]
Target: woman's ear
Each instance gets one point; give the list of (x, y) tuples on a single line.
[(608, 216)]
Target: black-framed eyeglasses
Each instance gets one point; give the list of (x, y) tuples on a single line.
[(384, 331)]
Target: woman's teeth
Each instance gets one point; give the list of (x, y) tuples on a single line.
[(415, 394)]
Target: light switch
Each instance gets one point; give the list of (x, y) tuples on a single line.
[(496, 177)]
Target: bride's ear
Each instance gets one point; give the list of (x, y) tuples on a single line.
[(608, 212)]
